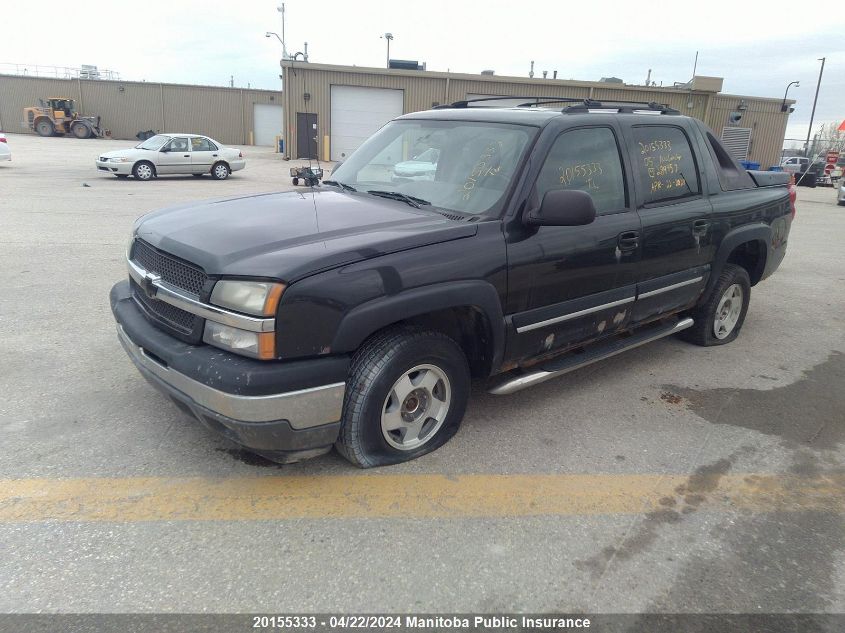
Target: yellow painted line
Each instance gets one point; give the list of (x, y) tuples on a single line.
[(403, 496)]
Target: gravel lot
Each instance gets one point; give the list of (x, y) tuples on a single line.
[(672, 478)]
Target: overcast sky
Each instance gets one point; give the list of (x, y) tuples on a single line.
[(758, 47)]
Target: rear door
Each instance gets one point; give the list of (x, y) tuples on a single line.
[(203, 154), (175, 157), (570, 284), (677, 237)]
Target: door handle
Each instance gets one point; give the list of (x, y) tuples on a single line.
[(628, 241), (186, 156), (699, 227), (214, 155)]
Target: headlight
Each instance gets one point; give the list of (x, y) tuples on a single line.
[(258, 345), (259, 298)]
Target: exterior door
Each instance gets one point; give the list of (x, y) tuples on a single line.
[(204, 154), (677, 238), (571, 284), (175, 157), (306, 135)]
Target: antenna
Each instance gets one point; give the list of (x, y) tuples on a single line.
[(531, 72)]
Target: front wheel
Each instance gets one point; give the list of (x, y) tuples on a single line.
[(143, 171), (220, 171), (406, 395), (719, 319)]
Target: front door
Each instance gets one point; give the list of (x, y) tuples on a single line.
[(306, 135), (677, 239), (175, 157), (571, 284)]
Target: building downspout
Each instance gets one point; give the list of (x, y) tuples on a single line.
[(243, 117), (446, 97), (161, 98)]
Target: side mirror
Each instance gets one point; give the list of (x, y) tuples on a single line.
[(563, 207), (165, 149)]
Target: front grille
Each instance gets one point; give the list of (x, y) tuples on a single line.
[(178, 322), (173, 271)]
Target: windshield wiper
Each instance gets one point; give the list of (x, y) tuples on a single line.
[(395, 195), (342, 185)]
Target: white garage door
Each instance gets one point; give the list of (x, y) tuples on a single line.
[(357, 113), (267, 122)]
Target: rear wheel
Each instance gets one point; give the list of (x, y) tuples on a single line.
[(220, 171), (80, 130), (406, 395), (720, 318), (45, 127), (143, 170), (296, 181)]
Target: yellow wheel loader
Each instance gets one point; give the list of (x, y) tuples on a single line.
[(57, 116)]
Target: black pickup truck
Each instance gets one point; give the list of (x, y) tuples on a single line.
[(531, 241)]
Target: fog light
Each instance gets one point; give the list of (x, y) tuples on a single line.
[(257, 345)]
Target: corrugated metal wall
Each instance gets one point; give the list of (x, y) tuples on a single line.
[(424, 89), (767, 123), (127, 107)]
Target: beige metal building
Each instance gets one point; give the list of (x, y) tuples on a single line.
[(237, 116), (329, 110)]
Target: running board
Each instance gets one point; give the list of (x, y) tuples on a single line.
[(555, 368)]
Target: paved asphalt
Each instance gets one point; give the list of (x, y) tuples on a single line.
[(671, 478)]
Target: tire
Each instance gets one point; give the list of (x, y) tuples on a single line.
[(80, 130), (406, 395), (143, 170), (718, 320), (296, 181), (45, 127), (220, 171), (122, 175)]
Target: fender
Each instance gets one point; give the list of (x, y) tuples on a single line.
[(365, 319), (748, 233)]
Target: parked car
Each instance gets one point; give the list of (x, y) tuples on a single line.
[(356, 314), (5, 151), (840, 197), (173, 154), (422, 166), (795, 164)]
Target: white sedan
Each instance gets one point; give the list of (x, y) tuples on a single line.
[(5, 152), (173, 154)]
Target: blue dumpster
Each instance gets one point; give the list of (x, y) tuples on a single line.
[(747, 164), (281, 146)]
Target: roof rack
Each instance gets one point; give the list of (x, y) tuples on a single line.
[(626, 107), (467, 102), (579, 105)]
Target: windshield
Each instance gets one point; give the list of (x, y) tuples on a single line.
[(456, 165), (154, 142)]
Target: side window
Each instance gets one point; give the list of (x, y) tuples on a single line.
[(588, 160), (665, 166), (199, 144), (179, 145)]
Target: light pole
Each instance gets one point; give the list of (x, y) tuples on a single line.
[(281, 9), (813, 113), (284, 52), (388, 37), (783, 106)]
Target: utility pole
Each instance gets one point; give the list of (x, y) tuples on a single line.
[(813, 113)]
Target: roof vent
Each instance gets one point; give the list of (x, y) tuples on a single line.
[(488, 72)]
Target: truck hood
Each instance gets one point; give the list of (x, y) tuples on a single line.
[(292, 235)]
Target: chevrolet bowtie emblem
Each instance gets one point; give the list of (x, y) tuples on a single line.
[(148, 284)]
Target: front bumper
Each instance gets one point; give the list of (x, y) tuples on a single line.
[(114, 168), (282, 410)]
